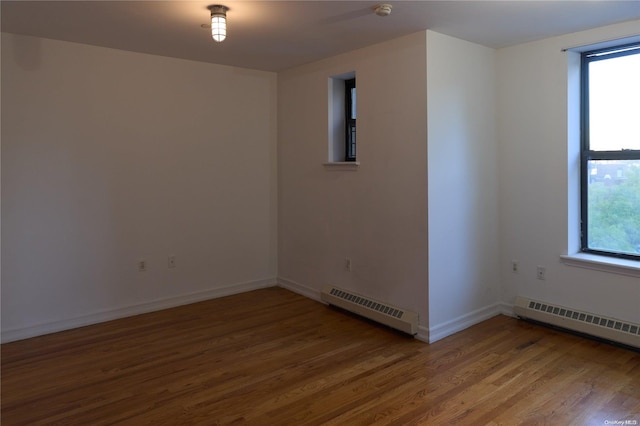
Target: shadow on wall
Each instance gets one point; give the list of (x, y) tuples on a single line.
[(28, 52)]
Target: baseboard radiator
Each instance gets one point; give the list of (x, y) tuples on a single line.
[(600, 326), (394, 317)]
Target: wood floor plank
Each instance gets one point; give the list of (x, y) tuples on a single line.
[(273, 357)]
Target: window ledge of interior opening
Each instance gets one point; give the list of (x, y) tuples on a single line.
[(342, 165), (613, 265)]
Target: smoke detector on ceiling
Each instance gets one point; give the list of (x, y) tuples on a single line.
[(383, 9)]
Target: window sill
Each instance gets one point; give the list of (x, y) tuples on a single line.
[(342, 165), (630, 268)]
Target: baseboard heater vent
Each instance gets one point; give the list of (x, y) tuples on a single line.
[(600, 326), (400, 319)]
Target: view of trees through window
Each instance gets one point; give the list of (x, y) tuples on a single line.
[(614, 206), (613, 152)]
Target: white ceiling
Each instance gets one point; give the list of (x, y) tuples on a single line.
[(275, 35)]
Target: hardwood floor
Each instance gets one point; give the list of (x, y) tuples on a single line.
[(271, 357)]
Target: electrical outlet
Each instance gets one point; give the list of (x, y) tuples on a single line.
[(541, 272), (347, 265), (514, 266), (171, 261), (142, 265)]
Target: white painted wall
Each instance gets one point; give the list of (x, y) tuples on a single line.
[(463, 184), (537, 168), (377, 215), (109, 156)]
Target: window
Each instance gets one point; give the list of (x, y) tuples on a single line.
[(350, 119), (342, 122), (610, 151)]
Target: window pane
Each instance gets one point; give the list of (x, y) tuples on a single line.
[(614, 206), (351, 140), (614, 102), (353, 103)]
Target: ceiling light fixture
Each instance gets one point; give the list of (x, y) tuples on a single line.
[(383, 9), (218, 22)]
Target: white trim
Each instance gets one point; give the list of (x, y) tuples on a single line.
[(300, 289), (507, 309), (311, 293), (342, 165), (450, 327), (142, 308), (423, 334), (630, 268)]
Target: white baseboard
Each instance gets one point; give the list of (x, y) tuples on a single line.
[(142, 308), (311, 293), (507, 309), (450, 327), (302, 290), (423, 334)]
